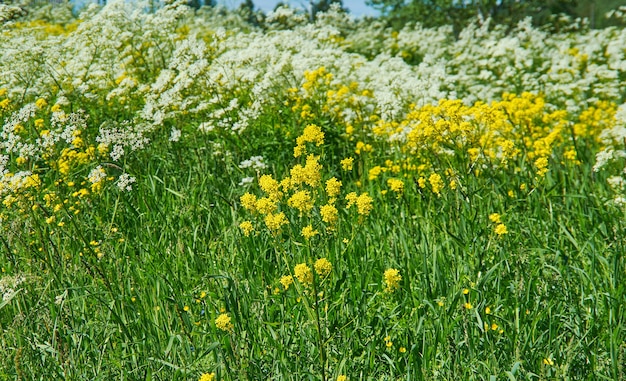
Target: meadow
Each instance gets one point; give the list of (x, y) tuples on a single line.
[(188, 196)]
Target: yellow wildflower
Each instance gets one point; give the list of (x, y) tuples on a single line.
[(392, 279), (223, 322), (275, 221), (248, 201), (375, 172), (265, 205), (333, 187), (347, 163), (286, 281), (270, 186), (436, 183), (309, 232), (311, 134), (301, 200), (303, 273), (41, 103), (364, 204), (329, 213), (246, 227), (207, 377), (500, 229), (323, 267), (351, 198), (548, 361), (495, 218), (396, 186), (421, 182)]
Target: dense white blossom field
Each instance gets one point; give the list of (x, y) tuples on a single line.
[(188, 195)]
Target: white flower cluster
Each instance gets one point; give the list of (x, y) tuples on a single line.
[(155, 69), (614, 151), (9, 285), (255, 162)]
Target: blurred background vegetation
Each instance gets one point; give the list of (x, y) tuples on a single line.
[(433, 13), (552, 14)]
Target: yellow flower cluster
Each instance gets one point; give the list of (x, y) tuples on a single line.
[(392, 279), (499, 228), (323, 267), (207, 377), (311, 134), (364, 203), (224, 323), (303, 273), (302, 189), (308, 232), (486, 137)]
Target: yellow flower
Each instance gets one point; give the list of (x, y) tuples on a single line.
[(364, 204), (436, 183), (270, 186), (329, 213), (468, 305), (286, 281), (542, 166), (323, 267), (500, 229), (347, 163), (207, 377), (223, 322), (248, 201), (303, 273), (342, 377), (247, 228), (265, 205), (312, 170), (495, 218), (465, 291), (548, 361), (396, 186), (421, 182), (375, 172), (333, 187), (392, 279), (488, 310), (362, 147), (41, 103), (275, 221), (402, 350), (301, 200), (388, 342), (494, 326), (308, 232), (351, 198), (311, 134)]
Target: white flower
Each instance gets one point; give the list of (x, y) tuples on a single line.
[(124, 182), (97, 175), (175, 135), (255, 162), (246, 181)]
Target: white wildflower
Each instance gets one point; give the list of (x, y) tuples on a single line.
[(175, 135), (125, 181)]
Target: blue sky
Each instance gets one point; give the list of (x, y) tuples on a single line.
[(356, 7)]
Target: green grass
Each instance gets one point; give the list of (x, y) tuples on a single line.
[(555, 284)]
